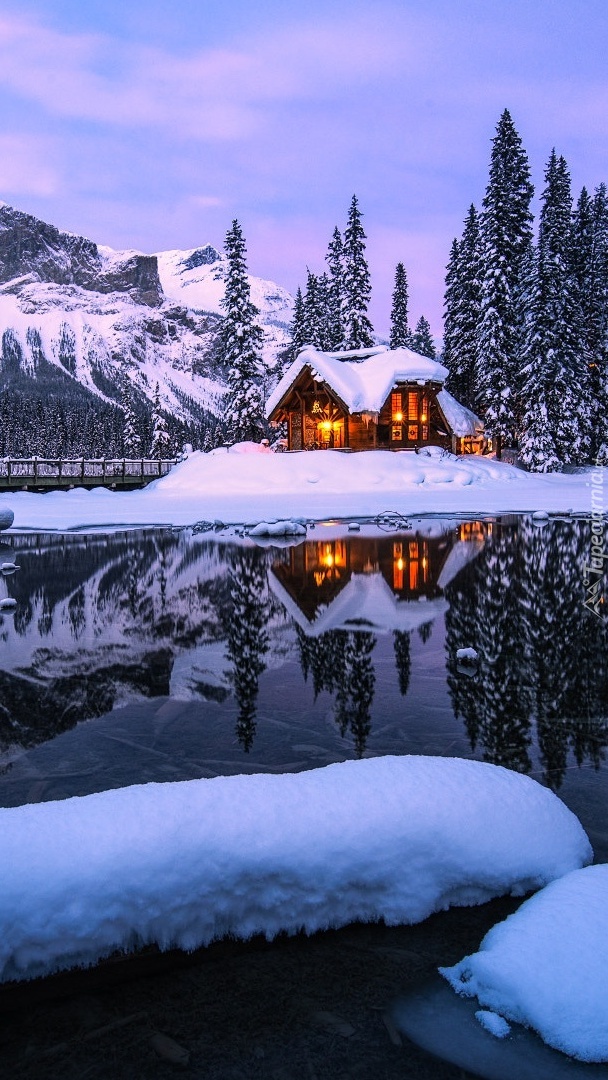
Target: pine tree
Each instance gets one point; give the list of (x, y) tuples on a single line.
[(335, 291), (555, 393), (132, 443), (598, 323), (314, 312), (506, 235), (400, 332), (462, 313), (241, 343), (358, 330), (422, 339), (161, 441), (298, 335)]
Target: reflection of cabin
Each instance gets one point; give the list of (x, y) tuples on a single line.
[(390, 399), (376, 583)]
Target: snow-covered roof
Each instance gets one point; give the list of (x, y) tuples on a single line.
[(462, 421), (362, 378)]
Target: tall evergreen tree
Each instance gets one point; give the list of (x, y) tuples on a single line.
[(132, 443), (298, 335), (598, 343), (400, 332), (556, 406), (422, 339), (462, 305), (335, 290), (506, 235), (242, 342), (161, 440), (358, 330), (314, 312)]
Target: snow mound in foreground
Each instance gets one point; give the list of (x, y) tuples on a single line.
[(546, 966), (182, 864)]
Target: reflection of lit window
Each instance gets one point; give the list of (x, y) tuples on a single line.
[(398, 565), (319, 578), (413, 576)]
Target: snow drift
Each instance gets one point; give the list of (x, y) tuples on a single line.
[(185, 863), (546, 966)]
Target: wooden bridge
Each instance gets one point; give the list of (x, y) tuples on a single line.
[(53, 474)]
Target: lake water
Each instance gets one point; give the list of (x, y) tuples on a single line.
[(162, 655)]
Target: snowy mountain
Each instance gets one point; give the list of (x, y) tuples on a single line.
[(104, 317)]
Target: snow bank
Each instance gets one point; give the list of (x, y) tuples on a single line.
[(6, 517), (181, 864), (252, 486), (278, 528), (546, 966)]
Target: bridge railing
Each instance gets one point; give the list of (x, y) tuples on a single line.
[(105, 470)]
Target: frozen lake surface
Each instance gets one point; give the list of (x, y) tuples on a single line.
[(158, 655)]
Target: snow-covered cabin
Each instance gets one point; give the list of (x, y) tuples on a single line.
[(365, 399)]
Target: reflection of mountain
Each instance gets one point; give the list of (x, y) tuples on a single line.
[(542, 657), (99, 621), (382, 584)]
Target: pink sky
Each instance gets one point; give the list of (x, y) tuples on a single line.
[(154, 125)]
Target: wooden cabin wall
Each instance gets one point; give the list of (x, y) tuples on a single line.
[(361, 436)]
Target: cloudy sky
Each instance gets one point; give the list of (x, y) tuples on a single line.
[(153, 123)]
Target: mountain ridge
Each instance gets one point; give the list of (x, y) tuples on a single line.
[(109, 319)]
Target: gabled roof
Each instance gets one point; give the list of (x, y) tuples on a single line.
[(362, 378)]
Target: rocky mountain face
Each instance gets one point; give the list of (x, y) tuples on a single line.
[(73, 310)]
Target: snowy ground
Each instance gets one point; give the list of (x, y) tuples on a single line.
[(249, 487), (185, 863)]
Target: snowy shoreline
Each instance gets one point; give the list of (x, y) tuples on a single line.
[(239, 487)]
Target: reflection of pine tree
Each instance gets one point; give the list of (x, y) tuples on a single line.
[(567, 647), (362, 680), (401, 642), (425, 631), (493, 703), (340, 663), (247, 634), (542, 655)]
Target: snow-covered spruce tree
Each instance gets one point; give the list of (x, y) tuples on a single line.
[(462, 312), (335, 291), (160, 448), (358, 330), (400, 332), (315, 329), (555, 392), (422, 339), (241, 339), (598, 342), (298, 335), (536, 438), (131, 436), (506, 235)]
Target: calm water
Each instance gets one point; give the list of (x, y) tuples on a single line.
[(166, 655)]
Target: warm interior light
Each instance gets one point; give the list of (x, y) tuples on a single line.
[(329, 560), (326, 425), (423, 418), (400, 564), (398, 417)]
